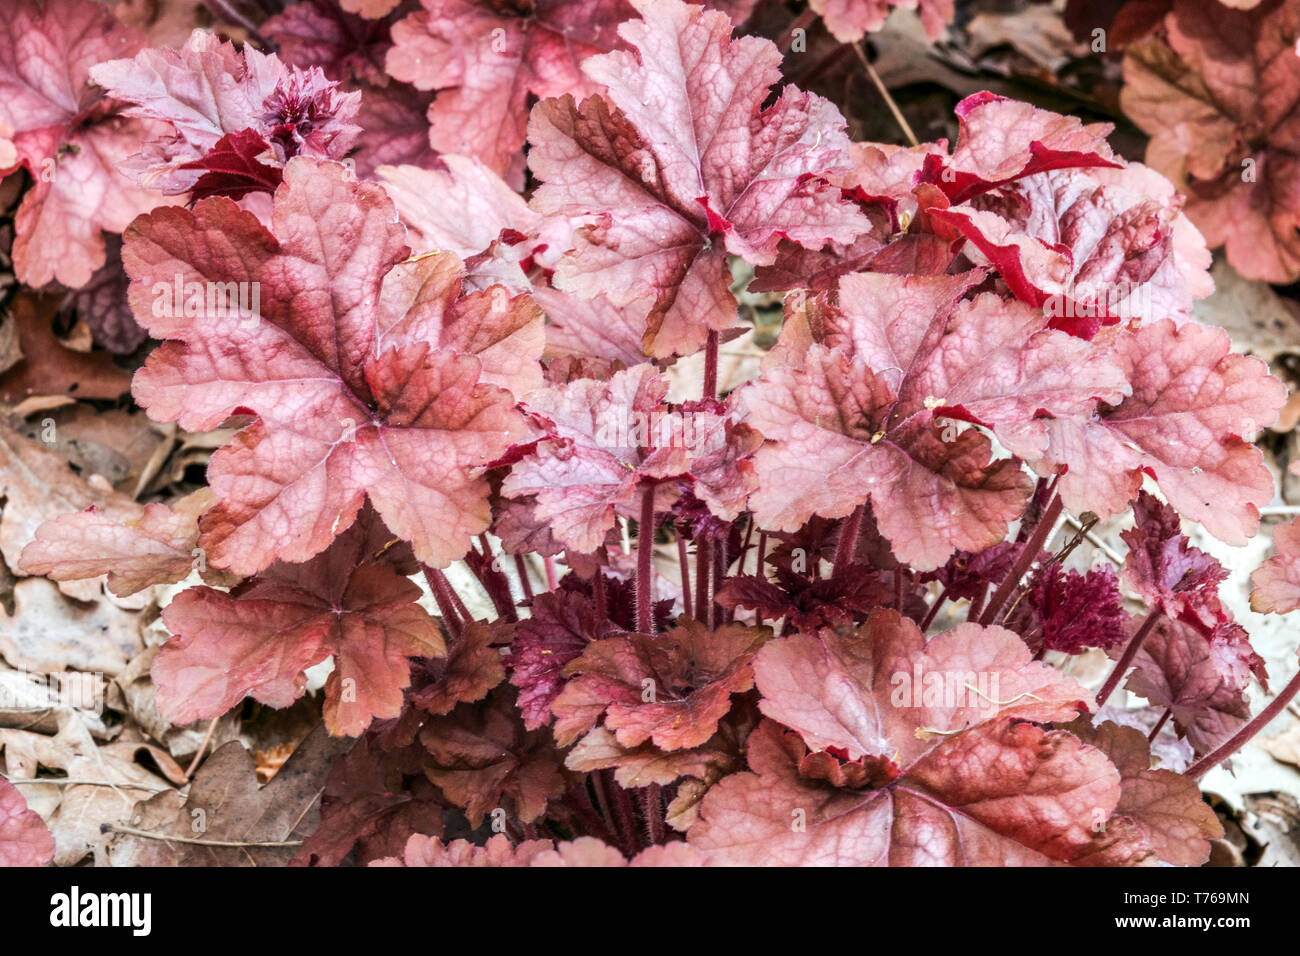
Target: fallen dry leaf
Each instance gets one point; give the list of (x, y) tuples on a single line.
[(37, 484), (1285, 746), (48, 632), (48, 367), (79, 810), (115, 444), (226, 805)]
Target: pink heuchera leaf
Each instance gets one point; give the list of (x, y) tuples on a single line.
[(353, 397), (882, 691), (691, 674), (480, 756), (157, 547), (1175, 822), (832, 443), (1163, 568), (497, 851), (1217, 94), (1277, 580), (1192, 401), (1002, 140), (25, 840), (72, 141), (647, 764), (593, 331), (461, 206), (208, 89), (588, 851), (260, 638), (428, 300), (850, 20), (681, 165), (919, 755), (607, 439), (8, 154), (907, 361), (1199, 676), (1090, 247), (1003, 793), (486, 58), (369, 9)]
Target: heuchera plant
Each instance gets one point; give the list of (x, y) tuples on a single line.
[(860, 655)]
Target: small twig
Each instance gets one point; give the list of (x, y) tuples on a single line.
[(77, 782), (222, 9), (198, 754), (1115, 557), (889, 100), (194, 841)]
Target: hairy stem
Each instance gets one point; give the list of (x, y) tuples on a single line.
[(623, 815), (652, 809), (848, 540), (703, 563), (1243, 736), (717, 614), (1037, 538), (685, 567), (598, 591), (522, 570), (494, 581), (446, 607), (1130, 652), (711, 365), (645, 547), (597, 826)]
